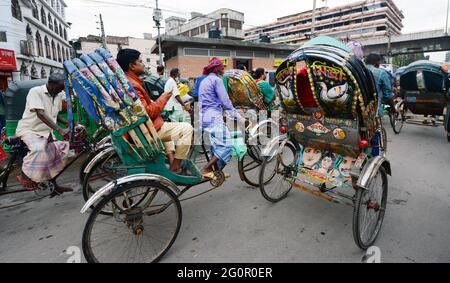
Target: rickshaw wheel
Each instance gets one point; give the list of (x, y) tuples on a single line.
[(143, 233), (397, 122), (248, 167), (99, 176), (280, 168), (91, 156), (370, 209)]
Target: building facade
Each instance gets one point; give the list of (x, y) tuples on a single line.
[(447, 57), (358, 20), (190, 55), (114, 43), (35, 33), (228, 21)]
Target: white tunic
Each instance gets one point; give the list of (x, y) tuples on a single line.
[(173, 104), (39, 99)]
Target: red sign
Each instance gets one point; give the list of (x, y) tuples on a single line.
[(7, 60)]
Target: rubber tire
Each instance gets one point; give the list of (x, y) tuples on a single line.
[(261, 180), (357, 212), (392, 120), (242, 172), (86, 197), (89, 256)]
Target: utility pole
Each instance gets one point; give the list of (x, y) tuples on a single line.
[(313, 28), (389, 43), (102, 31), (446, 22), (157, 17)]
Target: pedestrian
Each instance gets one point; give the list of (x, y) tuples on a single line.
[(178, 111), (160, 71)]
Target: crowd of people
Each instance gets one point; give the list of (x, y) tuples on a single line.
[(47, 156)]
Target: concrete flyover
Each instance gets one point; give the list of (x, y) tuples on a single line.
[(428, 41)]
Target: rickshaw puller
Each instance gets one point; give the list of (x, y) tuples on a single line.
[(213, 98), (47, 156), (383, 83)]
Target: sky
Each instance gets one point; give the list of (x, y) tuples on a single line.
[(135, 18)]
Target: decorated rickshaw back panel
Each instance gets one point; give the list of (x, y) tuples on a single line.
[(336, 135), (329, 124), (243, 90)]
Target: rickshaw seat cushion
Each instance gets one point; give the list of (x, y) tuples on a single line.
[(304, 90)]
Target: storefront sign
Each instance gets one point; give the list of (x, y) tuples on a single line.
[(277, 63), (7, 60)]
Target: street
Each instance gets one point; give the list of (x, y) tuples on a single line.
[(236, 224)]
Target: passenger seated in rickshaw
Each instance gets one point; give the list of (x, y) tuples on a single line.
[(212, 97), (260, 76), (171, 134)]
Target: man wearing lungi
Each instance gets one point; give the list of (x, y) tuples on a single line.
[(213, 99), (47, 156)]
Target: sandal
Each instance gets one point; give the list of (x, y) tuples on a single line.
[(209, 175), (27, 185)]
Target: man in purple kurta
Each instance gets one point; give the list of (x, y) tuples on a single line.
[(213, 99)]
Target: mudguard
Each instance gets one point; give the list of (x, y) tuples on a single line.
[(275, 146), (107, 151), (370, 170), (113, 185), (253, 134)]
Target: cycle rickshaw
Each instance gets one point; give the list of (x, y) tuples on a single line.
[(137, 215), (425, 90), (333, 147), (106, 166)]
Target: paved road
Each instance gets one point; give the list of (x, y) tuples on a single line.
[(235, 223)]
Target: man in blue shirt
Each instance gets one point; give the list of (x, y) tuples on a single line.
[(197, 87), (382, 81)]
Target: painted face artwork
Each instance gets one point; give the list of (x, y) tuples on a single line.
[(311, 157), (346, 166), (326, 165), (327, 162)]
